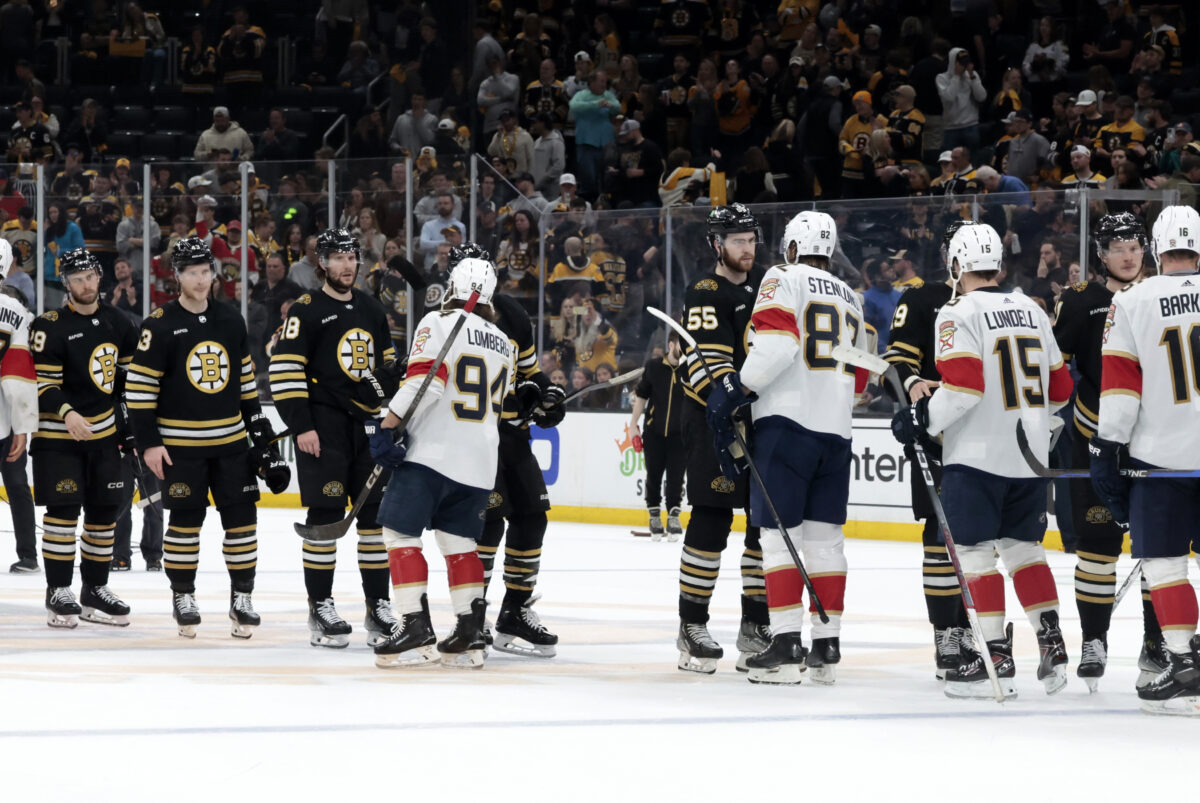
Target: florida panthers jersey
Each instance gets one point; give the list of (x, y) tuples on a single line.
[(800, 314), (454, 431), (1150, 384), (18, 381), (999, 364)]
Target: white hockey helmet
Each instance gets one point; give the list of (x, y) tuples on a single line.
[(977, 248), (1176, 229), (813, 233), (468, 276)]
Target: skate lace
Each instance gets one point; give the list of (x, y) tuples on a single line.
[(242, 602), (61, 595), (105, 595), (1094, 652), (327, 612), (699, 634), (949, 641), (530, 617), (383, 612), (186, 603)]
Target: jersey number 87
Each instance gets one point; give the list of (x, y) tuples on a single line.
[(822, 324), (471, 380)]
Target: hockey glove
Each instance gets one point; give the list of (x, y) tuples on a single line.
[(529, 396), (911, 423), (726, 397), (268, 464), (553, 396), (550, 412), (261, 434), (387, 450), (1107, 480), (729, 452)]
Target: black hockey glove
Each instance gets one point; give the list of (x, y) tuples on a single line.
[(386, 449), (268, 464), (259, 428), (726, 398), (729, 452), (550, 410), (911, 424), (529, 396), (1107, 480)]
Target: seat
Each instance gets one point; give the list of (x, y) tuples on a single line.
[(130, 118), (124, 143), (160, 144), (174, 118)]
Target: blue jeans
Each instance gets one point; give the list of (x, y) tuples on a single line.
[(589, 161)]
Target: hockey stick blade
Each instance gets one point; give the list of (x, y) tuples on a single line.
[(843, 352), (149, 500), (621, 379), (331, 532), (741, 442), (1036, 466)]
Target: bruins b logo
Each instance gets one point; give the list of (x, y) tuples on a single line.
[(356, 354), (208, 367), (103, 366)]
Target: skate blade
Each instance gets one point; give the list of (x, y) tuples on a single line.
[(656, 537), (1176, 706), (410, 659), (1093, 684), (67, 621), (238, 630), (101, 618), (377, 637), (187, 631), (516, 646), (332, 642), (471, 659), (980, 689), (1056, 681), (741, 660), (703, 666), (824, 675), (782, 675)]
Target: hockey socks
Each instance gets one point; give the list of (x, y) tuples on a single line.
[(58, 545), (698, 571), (373, 562), (1174, 601), (409, 571), (943, 597), (320, 557), (97, 548), (181, 549), (1095, 590), (1034, 586), (465, 573)]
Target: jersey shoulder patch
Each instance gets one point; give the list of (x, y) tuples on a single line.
[(304, 299), (158, 313), (705, 284), (50, 315), (1079, 287)]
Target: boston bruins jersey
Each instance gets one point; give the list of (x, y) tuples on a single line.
[(77, 359), (191, 384), (911, 346), (717, 313), (516, 325), (325, 352), (1079, 328)]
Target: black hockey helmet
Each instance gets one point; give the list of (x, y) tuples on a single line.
[(337, 241), (190, 251), (468, 251), (78, 260), (951, 227), (1121, 226), (733, 218)]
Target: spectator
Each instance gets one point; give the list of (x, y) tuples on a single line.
[(487, 227), (1179, 136), (593, 109), (304, 271), (593, 341), (1011, 97), (240, 55), (487, 50), (359, 69), (317, 67), (853, 140), (223, 134), (17, 34), (1166, 37), (11, 200), (445, 141), (426, 208), (1113, 48), (817, 136), (906, 126), (262, 237), (517, 260), (48, 119), (753, 178), (1122, 132), (370, 239), (140, 25), (1090, 120), (961, 92), (1147, 67), (674, 92), (126, 292), (573, 280), (274, 288), (21, 234), (432, 232), (1184, 180), (735, 112), (414, 129), (433, 62), (62, 235), (29, 141), (278, 143), (703, 109), (680, 180), (1082, 174), (528, 197), (640, 166), (1024, 154), (351, 209), (1046, 57), (549, 154), (880, 298), (546, 96), (198, 65), (31, 87), (994, 182), (456, 101), (964, 181), (136, 236), (582, 78), (924, 79), (511, 141), (20, 280), (498, 93)]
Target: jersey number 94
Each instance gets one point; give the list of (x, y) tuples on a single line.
[(471, 380)]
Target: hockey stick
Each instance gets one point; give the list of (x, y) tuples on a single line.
[(741, 442), (877, 365), (330, 532), (1036, 466), (1133, 575), (628, 376)]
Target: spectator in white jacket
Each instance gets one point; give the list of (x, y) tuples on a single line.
[(499, 91), (414, 129), (1046, 59), (549, 155), (962, 94), (512, 142), (224, 135)]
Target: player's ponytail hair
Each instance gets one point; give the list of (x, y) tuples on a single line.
[(485, 311)]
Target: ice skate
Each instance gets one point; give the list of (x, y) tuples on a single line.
[(410, 644), (1052, 669), (463, 649), (826, 653), (520, 632), (656, 525), (103, 607), (1092, 662), (61, 608), (185, 612), (24, 566), (242, 616), (1152, 660), (1175, 690), (947, 644), (781, 663), (674, 528), (325, 627), (969, 680), (698, 652), (752, 639), (380, 622)]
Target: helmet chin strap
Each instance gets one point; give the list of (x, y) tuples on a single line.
[(955, 279)]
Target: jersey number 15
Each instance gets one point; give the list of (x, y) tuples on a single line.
[(1024, 345)]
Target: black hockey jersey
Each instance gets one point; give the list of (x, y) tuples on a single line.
[(717, 314), (912, 343), (662, 387), (514, 322), (80, 362), (326, 349), (191, 384), (1079, 330)]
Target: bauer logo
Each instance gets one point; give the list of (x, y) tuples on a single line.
[(632, 461)]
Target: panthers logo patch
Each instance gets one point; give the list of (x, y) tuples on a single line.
[(66, 486), (103, 366), (158, 313), (208, 367), (1097, 514), (356, 354), (495, 500), (334, 489), (723, 485), (706, 284), (179, 490)]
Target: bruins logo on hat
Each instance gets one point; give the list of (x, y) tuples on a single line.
[(1097, 514), (723, 485), (66, 486), (334, 489), (179, 490)]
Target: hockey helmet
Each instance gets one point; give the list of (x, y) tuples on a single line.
[(468, 251), (977, 249), (951, 228), (468, 276), (337, 241), (734, 218), (78, 260), (1111, 228), (813, 233), (1176, 229), (190, 251)]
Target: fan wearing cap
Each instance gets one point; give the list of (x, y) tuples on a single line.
[(853, 141), (1091, 120), (1166, 37), (99, 216), (906, 126), (511, 141), (224, 133), (1022, 152), (1082, 174), (30, 140), (1122, 132), (945, 179)]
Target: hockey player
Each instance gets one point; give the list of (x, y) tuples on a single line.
[(1079, 327), (912, 348), (81, 353), (999, 365), (519, 495), (192, 401), (443, 468), (803, 402), (1149, 406), (324, 386), (717, 309), (660, 397)]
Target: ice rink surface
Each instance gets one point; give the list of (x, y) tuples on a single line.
[(139, 714)]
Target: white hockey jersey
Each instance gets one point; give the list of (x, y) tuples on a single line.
[(800, 314), (999, 364), (1150, 379), (18, 379), (454, 431)]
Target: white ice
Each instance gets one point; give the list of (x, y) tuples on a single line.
[(139, 714)]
